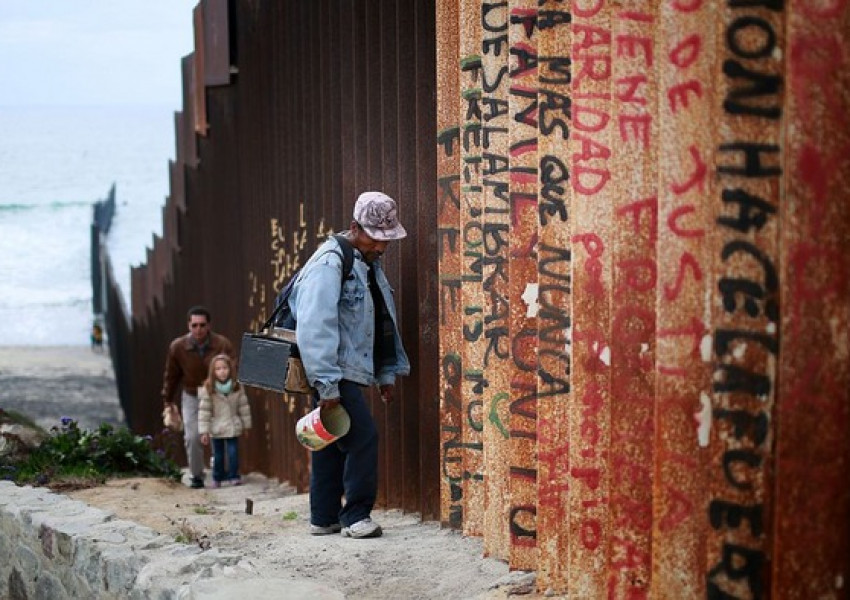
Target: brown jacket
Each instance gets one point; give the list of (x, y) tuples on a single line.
[(184, 366)]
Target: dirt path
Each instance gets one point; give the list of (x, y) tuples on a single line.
[(411, 561)]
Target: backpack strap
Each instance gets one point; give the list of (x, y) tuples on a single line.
[(347, 255)]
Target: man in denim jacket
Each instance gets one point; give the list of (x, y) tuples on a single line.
[(348, 339)]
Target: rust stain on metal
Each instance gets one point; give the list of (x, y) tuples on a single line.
[(523, 287), (554, 298), (592, 197), (745, 324), (471, 216), (683, 317), (495, 260), (634, 163), (811, 549), (449, 252)]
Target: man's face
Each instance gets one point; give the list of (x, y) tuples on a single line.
[(371, 249), (199, 327)]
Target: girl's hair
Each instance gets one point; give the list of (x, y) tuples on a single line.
[(209, 382)]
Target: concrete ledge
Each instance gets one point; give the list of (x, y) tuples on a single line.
[(60, 548)]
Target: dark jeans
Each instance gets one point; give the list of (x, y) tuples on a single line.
[(231, 445), (349, 466)]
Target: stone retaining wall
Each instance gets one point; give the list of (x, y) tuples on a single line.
[(55, 547)]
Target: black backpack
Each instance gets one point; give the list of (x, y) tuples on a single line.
[(282, 314)]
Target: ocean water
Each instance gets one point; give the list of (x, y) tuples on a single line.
[(55, 163)]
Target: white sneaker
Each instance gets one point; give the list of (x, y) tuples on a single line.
[(319, 530), (365, 528)]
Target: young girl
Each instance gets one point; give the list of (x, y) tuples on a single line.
[(223, 414)]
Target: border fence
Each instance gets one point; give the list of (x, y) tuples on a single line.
[(625, 290)]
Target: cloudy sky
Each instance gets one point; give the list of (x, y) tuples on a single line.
[(93, 52)]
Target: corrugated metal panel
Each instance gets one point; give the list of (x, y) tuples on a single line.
[(418, 170), (522, 288), (186, 135), (634, 167), (268, 183), (811, 544), (199, 100), (495, 257), (744, 322), (591, 139), (474, 347), (216, 38), (449, 246), (554, 278), (682, 292)]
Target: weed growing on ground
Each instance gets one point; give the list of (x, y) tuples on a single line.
[(71, 454), (186, 534)]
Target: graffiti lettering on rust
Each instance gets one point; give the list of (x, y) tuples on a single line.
[(523, 528), (554, 177), (760, 43), (447, 142), (287, 259), (634, 234), (451, 459), (450, 369), (495, 168), (553, 461), (591, 57), (453, 448), (746, 341), (449, 248), (524, 177), (449, 296), (685, 107), (554, 265), (474, 86), (257, 301), (594, 246)]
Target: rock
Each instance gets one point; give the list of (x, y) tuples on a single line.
[(17, 439)]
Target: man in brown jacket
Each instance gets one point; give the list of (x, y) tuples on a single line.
[(186, 367)]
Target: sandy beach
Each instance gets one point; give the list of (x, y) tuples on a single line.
[(412, 560), (47, 383)]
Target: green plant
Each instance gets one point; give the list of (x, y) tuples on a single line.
[(290, 516), (186, 534), (73, 453)]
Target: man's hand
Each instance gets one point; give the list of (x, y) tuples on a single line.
[(329, 402), (387, 393), (205, 439)]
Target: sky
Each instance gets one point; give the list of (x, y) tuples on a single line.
[(93, 52)]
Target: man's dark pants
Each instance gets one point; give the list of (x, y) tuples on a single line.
[(348, 467)]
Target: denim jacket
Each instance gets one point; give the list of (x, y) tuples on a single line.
[(335, 330)]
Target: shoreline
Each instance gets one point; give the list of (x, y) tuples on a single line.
[(46, 383)]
